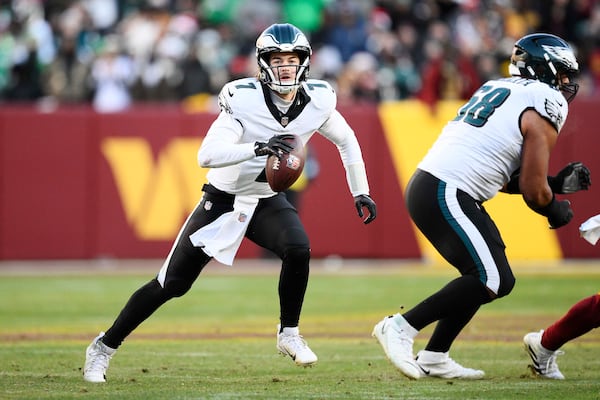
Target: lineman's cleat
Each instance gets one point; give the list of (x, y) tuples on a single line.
[(397, 344), (440, 365)]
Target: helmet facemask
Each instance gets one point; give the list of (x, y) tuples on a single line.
[(569, 90), (282, 38), (271, 75)]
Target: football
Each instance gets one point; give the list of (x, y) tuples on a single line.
[(283, 171)]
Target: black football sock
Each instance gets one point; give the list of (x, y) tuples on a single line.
[(140, 306), (465, 293), (447, 329), (293, 281)]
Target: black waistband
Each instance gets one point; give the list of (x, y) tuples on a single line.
[(216, 193)]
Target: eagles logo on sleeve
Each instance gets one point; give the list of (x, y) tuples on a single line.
[(553, 109), (223, 103)]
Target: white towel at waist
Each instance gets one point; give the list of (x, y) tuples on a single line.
[(221, 238), (590, 229)]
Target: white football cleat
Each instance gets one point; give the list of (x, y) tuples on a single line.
[(397, 344), (97, 357), (290, 343), (440, 365), (544, 360)]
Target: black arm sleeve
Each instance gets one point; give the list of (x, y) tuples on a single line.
[(512, 186)]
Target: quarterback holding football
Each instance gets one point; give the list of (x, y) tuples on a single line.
[(257, 115)]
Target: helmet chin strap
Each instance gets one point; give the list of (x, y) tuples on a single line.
[(283, 89)]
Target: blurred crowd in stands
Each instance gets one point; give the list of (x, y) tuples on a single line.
[(113, 53)]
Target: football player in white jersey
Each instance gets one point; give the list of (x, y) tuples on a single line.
[(500, 140), (256, 114)]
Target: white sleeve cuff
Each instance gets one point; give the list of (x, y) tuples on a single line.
[(356, 175)]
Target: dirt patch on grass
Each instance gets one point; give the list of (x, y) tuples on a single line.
[(483, 328)]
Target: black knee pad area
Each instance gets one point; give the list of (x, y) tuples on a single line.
[(298, 254), (298, 257), (176, 288), (506, 286)]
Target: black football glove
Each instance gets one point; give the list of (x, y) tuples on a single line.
[(562, 214), (572, 178), (275, 146), (559, 213), (363, 200)]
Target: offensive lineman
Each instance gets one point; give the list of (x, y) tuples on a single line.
[(256, 113), (500, 141)]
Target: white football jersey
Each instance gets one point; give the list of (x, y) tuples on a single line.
[(480, 149), (248, 115)]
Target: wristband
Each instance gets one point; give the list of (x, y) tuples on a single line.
[(549, 209), (554, 184)]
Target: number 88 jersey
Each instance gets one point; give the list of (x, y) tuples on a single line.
[(480, 149)]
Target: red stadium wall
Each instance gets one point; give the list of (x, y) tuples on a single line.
[(76, 184), (580, 141)]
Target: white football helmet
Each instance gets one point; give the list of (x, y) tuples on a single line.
[(280, 38)]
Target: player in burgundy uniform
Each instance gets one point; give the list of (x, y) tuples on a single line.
[(543, 346), (238, 202), (500, 140)]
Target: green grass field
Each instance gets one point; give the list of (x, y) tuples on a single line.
[(218, 341)]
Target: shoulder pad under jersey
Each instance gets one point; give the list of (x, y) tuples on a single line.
[(239, 94), (321, 93), (551, 104)]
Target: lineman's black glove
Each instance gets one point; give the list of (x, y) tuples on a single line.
[(572, 178), (363, 200), (274, 146), (559, 213)]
